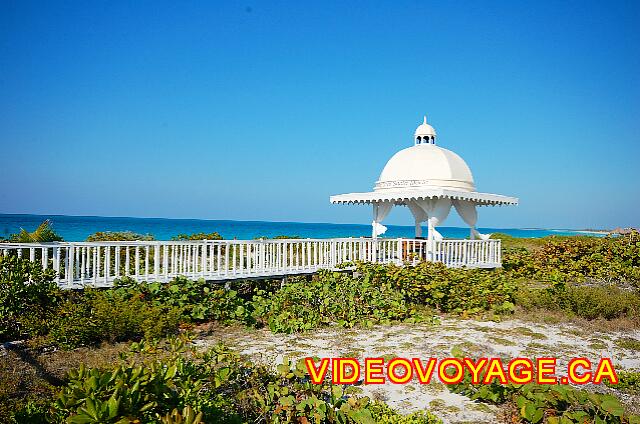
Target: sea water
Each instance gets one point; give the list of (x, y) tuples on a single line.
[(77, 228)]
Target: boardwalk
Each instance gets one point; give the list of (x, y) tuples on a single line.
[(99, 264)]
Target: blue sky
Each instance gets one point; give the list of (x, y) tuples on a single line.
[(261, 110)]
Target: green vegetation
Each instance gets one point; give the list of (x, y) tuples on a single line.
[(591, 278), (587, 277), (628, 343), (119, 236), (589, 302), (534, 403), (445, 289), (196, 301), (331, 297), (171, 382), (629, 382), (373, 294), (44, 233), (27, 297), (94, 316), (198, 236), (603, 260)]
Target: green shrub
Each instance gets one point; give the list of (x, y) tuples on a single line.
[(589, 302), (119, 236), (167, 382), (198, 236), (600, 302), (535, 403), (331, 297), (384, 414), (27, 296), (196, 299), (147, 390), (628, 382), (579, 259), (447, 289), (44, 233), (106, 315)]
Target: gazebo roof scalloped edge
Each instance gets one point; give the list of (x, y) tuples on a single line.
[(398, 197)]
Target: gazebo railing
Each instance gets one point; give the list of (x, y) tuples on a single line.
[(455, 253), (78, 264)]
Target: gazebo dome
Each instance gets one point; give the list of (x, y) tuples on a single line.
[(425, 165)]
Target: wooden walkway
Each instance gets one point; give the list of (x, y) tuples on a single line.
[(99, 264)]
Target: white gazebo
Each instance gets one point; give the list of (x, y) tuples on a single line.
[(429, 180)]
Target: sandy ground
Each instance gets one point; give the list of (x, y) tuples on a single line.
[(507, 339)]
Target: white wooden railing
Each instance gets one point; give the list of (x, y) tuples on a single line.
[(78, 264)]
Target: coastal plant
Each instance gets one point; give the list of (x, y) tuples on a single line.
[(628, 382), (172, 382), (384, 414), (198, 236), (589, 302), (119, 236), (461, 291), (147, 386), (43, 234), (601, 260), (28, 295), (535, 403), (93, 316), (331, 297), (197, 300)]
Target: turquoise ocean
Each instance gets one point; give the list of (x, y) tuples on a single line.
[(77, 228)]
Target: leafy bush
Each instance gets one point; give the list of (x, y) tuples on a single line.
[(198, 236), (580, 259), (533, 403), (331, 297), (589, 302), (383, 414), (628, 382), (197, 300), (44, 233), (94, 316), (27, 296), (172, 382), (149, 390), (119, 236), (447, 289)]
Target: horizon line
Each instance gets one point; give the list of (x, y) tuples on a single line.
[(285, 222)]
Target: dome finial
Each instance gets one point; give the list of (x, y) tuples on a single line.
[(425, 134)]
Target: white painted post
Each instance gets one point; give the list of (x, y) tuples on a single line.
[(107, 264), (96, 264), (156, 260), (117, 262), (70, 266)]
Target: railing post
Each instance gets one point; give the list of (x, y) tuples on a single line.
[(69, 266), (56, 263), (156, 261)]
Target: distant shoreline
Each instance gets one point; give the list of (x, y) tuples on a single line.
[(57, 215)]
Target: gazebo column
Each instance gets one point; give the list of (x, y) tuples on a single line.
[(418, 229), (469, 214), (435, 211), (430, 239), (419, 216)]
